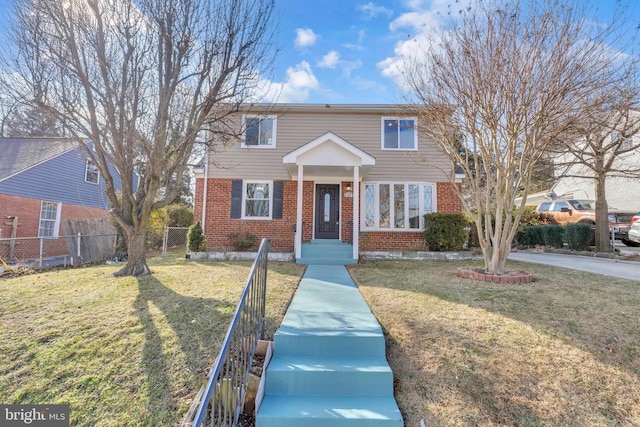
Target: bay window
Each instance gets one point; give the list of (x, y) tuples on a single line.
[(396, 205)]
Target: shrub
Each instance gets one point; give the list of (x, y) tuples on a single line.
[(179, 215), (579, 236), (553, 235), (157, 223), (445, 231), (531, 236), (196, 241), (241, 241)]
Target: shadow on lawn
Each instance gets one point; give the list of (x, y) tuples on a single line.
[(199, 324)]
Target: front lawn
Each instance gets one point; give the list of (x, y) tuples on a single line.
[(123, 351), (564, 350)]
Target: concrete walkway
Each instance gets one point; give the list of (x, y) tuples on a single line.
[(604, 266), (329, 367)]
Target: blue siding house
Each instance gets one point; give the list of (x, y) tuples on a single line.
[(45, 180)]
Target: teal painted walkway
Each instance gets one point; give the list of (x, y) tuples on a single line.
[(329, 367)]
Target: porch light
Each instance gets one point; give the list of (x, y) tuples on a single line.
[(349, 186)]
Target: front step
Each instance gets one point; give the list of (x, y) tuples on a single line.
[(329, 367), (326, 252), (340, 411), (329, 376)]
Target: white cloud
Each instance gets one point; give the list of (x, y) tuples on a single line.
[(330, 60), (372, 10), (415, 29), (349, 66), (297, 87), (305, 37)]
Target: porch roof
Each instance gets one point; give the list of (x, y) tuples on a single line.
[(328, 156)]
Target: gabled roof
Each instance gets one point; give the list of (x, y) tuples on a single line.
[(20, 154), (328, 155)]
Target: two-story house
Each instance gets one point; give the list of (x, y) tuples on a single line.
[(44, 181), (360, 174)]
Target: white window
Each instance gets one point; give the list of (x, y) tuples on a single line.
[(259, 131), (399, 133), (49, 219), (397, 205), (257, 199), (91, 172)]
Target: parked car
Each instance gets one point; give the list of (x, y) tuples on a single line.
[(635, 218), (634, 232), (565, 211)]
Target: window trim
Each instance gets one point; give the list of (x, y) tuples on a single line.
[(376, 214), (261, 117), (398, 118), (243, 213), (56, 222), (86, 171)]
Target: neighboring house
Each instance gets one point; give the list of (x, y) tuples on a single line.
[(44, 181), (623, 193), (357, 173)]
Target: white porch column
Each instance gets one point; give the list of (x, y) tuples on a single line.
[(356, 211), (298, 239)]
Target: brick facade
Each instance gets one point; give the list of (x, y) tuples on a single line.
[(219, 224), (28, 212)]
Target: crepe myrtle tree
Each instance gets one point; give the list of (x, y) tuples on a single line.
[(494, 88), (144, 81)]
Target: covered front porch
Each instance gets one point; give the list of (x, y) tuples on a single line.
[(336, 168)]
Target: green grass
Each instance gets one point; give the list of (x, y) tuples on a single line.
[(561, 351), (564, 350), (123, 351)]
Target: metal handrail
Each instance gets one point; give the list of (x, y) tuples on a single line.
[(223, 396)]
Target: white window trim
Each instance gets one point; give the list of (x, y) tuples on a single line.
[(376, 227), (261, 117), (398, 118), (86, 169), (244, 199), (56, 227)]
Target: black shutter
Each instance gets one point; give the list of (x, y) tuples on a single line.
[(278, 190), (236, 198)]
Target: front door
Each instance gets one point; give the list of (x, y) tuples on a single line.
[(327, 222)]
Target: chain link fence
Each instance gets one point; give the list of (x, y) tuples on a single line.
[(174, 238), (62, 251), (39, 252)]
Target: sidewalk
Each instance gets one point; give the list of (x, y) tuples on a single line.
[(604, 266)]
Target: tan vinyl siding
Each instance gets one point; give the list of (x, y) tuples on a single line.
[(362, 130)]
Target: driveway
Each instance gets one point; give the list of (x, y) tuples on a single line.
[(605, 266)]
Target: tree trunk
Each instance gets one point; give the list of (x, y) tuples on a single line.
[(603, 235), (137, 256)]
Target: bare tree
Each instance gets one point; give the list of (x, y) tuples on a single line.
[(601, 144), (506, 79), (142, 80)]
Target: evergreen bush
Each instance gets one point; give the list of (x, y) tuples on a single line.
[(579, 236), (196, 241), (445, 231)]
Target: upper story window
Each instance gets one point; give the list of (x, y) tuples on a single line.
[(49, 219), (399, 133), (91, 173), (259, 131), (257, 199)]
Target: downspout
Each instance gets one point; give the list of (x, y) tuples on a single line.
[(204, 191)]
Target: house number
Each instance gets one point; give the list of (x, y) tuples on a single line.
[(348, 194)]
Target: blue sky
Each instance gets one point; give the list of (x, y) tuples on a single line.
[(348, 51)]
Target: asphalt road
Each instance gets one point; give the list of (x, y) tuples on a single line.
[(604, 266)]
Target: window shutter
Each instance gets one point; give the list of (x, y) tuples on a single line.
[(236, 198), (278, 190)]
